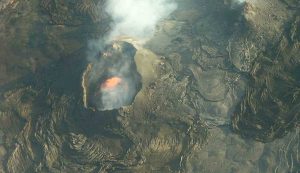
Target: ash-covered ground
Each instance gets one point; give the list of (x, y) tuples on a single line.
[(218, 87)]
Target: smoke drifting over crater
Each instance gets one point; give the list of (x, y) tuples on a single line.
[(111, 80), (112, 60), (137, 18)]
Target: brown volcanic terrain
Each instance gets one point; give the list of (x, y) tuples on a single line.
[(220, 90)]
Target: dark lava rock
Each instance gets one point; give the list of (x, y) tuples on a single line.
[(271, 106), (77, 12)]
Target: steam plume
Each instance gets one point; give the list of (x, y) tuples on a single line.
[(137, 18)]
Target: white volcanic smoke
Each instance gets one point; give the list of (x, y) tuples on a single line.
[(235, 4), (238, 2), (137, 18)]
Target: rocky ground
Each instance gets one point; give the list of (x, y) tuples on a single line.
[(220, 91)]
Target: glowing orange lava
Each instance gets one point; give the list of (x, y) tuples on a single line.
[(111, 83)]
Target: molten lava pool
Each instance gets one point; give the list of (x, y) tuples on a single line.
[(111, 83)]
